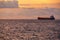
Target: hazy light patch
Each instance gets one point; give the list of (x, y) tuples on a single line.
[(29, 13)]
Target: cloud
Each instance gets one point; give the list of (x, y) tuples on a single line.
[(9, 4)]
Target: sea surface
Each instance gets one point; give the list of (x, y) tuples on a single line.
[(29, 29)]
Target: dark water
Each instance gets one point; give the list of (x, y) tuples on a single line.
[(30, 29)]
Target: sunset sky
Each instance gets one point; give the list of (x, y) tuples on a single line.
[(39, 3)]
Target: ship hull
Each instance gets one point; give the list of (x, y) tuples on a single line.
[(46, 18)]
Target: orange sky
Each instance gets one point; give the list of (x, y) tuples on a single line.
[(40, 3)]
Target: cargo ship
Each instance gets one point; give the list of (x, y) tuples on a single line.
[(43, 18)]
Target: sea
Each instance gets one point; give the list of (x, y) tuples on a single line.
[(29, 29)]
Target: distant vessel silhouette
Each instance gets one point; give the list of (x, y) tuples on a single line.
[(42, 18)]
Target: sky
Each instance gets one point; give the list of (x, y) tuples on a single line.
[(39, 3)]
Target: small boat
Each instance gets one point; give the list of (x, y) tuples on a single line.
[(42, 18)]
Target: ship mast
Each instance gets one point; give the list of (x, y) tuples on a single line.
[(50, 11)]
